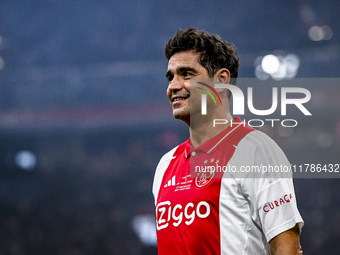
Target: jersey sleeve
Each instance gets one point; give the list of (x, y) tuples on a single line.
[(270, 191), (160, 170), (277, 208)]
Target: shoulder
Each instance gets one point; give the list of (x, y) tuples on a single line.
[(179, 149), (259, 161), (258, 139), (262, 147), (166, 157)]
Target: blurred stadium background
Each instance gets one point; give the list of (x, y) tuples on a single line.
[(84, 118)]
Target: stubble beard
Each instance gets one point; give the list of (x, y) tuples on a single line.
[(182, 114)]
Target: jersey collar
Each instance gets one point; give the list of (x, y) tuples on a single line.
[(211, 145)]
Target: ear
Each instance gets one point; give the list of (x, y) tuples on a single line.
[(222, 76)]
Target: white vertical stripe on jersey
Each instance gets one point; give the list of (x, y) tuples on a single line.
[(161, 168)]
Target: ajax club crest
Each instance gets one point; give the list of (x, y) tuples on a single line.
[(202, 179)]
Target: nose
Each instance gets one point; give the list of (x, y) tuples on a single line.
[(175, 84)]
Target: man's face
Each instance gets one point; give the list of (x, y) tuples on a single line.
[(182, 67)]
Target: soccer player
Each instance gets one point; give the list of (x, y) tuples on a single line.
[(212, 213)]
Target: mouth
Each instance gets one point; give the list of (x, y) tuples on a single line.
[(178, 99)]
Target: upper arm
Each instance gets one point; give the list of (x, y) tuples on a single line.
[(287, 242)]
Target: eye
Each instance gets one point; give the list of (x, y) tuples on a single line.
[(186, 74), (170, 78)]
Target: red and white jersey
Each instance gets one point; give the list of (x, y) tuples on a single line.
[(231, 215)]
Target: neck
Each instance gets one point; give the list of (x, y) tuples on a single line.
[(202, 128)]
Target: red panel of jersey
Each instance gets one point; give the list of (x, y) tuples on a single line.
[(187, 209)]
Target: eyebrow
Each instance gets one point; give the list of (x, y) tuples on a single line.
[(181, 69)]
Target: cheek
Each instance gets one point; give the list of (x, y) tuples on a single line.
[(187, 85)]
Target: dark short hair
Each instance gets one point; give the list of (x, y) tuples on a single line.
[(215, 53)]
